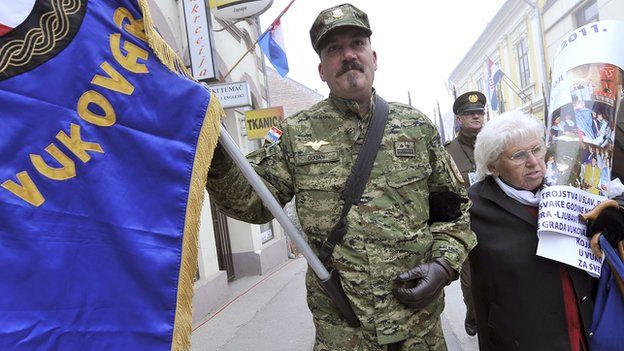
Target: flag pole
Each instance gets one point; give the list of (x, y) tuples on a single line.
[(441, 131), (545, 105), (253, 46), (329, 281), (271, 203)]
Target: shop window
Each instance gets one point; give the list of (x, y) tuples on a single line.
[(266, 232)]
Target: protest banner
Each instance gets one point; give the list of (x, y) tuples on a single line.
[(585, 103)]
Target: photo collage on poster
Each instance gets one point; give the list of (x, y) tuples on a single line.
[(581, 133)]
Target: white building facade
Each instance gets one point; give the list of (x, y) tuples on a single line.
[(521, 40), (560, 17), (512, 43)]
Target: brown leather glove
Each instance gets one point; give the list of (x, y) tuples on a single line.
[(423, 283)]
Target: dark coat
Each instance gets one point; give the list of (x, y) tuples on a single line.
[(518, 295), (462, 151)]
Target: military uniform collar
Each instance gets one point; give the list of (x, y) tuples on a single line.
[(351, 106), (466, 140)]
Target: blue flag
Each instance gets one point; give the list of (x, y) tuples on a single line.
[(272, 44), (104, 151)]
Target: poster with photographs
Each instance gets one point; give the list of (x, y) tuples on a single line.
[(581, 133), (585, 104)]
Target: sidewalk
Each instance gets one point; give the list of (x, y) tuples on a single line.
[(269, 313)]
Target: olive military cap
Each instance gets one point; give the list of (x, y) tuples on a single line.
[(469, 102), (345, 15)]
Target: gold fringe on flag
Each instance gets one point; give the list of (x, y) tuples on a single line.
[(163, 51), (208, 138)]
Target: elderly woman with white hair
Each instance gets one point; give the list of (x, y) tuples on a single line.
[(522, 301)]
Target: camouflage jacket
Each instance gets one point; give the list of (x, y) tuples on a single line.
[(388, 232)]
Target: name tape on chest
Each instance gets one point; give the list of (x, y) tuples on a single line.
[(405, 148), (317, 157)]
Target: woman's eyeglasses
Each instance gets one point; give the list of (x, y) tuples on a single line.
[(522, 156)]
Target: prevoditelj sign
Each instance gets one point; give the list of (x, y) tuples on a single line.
[(104, 151), (232, 95)]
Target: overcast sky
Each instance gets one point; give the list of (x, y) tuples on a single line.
[(418, 43)]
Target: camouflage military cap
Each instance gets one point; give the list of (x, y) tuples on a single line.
[(469, 102), (345, 15)]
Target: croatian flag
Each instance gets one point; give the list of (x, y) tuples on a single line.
[(272, 45), (13, 13), (493, 79)]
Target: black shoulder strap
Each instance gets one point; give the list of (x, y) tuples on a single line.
[(360, 172)]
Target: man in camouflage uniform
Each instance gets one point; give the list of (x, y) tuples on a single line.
[(469, 109), (388, 234)]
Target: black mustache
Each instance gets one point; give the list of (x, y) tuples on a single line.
[(349, 65)]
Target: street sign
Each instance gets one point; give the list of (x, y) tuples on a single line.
[(232, 95)]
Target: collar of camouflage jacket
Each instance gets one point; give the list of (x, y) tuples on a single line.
[(351, 106)]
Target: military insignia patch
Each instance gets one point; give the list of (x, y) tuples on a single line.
[(273, 135), (337, 13), (405, 148), (316, 145), (456, 171), (473, 98)]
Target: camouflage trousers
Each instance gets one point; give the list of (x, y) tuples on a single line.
[(337, 337)]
